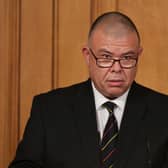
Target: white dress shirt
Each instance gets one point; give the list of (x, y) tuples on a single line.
[(101, 112)]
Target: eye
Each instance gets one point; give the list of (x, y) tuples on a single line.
[(106, 56), (128, 57)]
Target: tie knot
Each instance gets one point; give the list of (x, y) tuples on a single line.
[(109, 106)]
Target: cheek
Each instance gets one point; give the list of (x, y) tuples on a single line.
[(130, 75), (97, 74)]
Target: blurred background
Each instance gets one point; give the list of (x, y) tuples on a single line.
[(40, 49)]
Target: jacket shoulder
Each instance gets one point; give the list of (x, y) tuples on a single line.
[(151, 95), (149, 90), (65, 93)]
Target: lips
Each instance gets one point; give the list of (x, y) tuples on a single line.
[(115, 82)]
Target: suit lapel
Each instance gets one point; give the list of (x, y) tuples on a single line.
[(131, 123), (87, 126)]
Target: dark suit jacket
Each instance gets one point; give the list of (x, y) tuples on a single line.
[(62, 130)]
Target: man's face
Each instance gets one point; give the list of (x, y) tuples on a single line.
[(114, 81)]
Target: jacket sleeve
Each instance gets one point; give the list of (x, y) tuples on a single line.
[(29, 153), (166, 162)]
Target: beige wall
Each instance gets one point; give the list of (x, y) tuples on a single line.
[(40, 49)]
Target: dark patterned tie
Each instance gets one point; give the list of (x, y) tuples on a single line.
[(110, 139)]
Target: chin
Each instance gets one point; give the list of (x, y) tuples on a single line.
[(116, 92)]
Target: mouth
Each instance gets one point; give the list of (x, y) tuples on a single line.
[(115, 82)]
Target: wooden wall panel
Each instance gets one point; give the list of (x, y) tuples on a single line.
[(150, 16), (36, 53), (73, 21), (99, 7), (4, 85), (9, 79)]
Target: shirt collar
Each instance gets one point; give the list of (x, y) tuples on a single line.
[(100, 99)]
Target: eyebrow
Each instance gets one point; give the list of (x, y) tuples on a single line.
[(106, 51), (129, 52), (111, 53)]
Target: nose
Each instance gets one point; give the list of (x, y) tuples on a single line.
[(116, 67)]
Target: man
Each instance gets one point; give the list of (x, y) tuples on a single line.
[(67, 126)]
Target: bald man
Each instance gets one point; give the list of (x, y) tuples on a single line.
[(67, 126)]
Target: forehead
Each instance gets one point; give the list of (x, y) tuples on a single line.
[(113, 40)]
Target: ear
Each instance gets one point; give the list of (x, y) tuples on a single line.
[(140, 50), (86, 54)]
